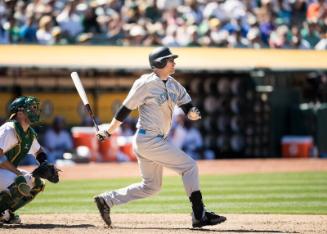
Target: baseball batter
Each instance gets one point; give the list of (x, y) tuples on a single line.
[(17, 138), (155, 95)]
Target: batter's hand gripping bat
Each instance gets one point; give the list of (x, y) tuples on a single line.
[(82, 94)]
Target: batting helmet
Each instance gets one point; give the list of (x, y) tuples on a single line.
[(29, 104), (158, 57)]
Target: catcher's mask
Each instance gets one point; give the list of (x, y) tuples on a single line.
[(30, 105), (158, 57)]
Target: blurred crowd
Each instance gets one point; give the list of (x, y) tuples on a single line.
[(289, 24)]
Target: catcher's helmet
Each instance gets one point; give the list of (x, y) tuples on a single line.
[(29, 104), (158, 57)]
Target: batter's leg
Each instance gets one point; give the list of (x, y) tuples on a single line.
[(168, 155), (151, 184), (162, 152)]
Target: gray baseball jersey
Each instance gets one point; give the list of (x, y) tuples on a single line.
[(156, 101)]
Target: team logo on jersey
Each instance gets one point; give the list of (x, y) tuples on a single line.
[(164, 97)]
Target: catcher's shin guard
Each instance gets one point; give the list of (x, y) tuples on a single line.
[(15, 193), (104, 209), (5, 200), (39, 185)]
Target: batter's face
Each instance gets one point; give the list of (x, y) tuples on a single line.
[(170, 66)]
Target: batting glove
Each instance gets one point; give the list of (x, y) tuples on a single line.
[(102, 135), (194, 114)]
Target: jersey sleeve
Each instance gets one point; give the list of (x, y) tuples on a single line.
[(8, 138), (136, 95), (35, 147), (183, 96)]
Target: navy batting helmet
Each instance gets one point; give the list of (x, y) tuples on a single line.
[(158, 57)]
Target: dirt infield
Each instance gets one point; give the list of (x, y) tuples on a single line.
[(118, 170), (167, 223), (177, 223)]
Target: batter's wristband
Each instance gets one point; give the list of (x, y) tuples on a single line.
[(186, 107), (122, 113), (3, 158)]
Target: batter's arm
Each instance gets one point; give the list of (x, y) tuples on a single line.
[(119, 118), (5, 164)]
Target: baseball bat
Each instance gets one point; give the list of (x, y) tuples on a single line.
[(82, 94)]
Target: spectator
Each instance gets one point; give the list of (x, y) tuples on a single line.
[(322, 44), (193, 142), (4, 35), (126, 131), (311, 34), (28, 31), (57, 140), (178, 131), (182, 23), (44, 33), (296, 40), (89, 21), (152, 12), (185, 136), (317, 11), (70, 21)]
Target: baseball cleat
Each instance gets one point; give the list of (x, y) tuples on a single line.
[(208, 219), (104, 209), (9, 217)]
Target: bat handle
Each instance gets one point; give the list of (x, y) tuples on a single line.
[(95, 124), (89, 110)]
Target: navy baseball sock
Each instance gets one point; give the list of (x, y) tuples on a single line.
[(197, 204)]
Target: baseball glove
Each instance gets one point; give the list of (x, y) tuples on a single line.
[(47, 171)]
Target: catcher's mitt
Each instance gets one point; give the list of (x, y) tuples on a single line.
[(47, 171)]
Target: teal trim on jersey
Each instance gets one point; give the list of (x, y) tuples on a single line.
[(143, 132), (25, 140)]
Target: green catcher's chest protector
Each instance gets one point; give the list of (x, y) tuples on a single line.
[(25, 140)]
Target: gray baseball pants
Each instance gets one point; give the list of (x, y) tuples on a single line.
[(153, 153)]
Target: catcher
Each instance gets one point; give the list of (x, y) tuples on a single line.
[(17, 139)]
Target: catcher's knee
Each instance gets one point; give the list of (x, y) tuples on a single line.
[(20, 187), (17, 200)]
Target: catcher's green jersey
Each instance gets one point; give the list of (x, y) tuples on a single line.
[(25, 140)]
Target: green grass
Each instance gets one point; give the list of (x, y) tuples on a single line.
[(282, 193)]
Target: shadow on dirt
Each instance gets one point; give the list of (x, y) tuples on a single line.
[(46, 226), (202, 230), (255, 231)]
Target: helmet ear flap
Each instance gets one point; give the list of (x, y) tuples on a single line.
[(160, 64)]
